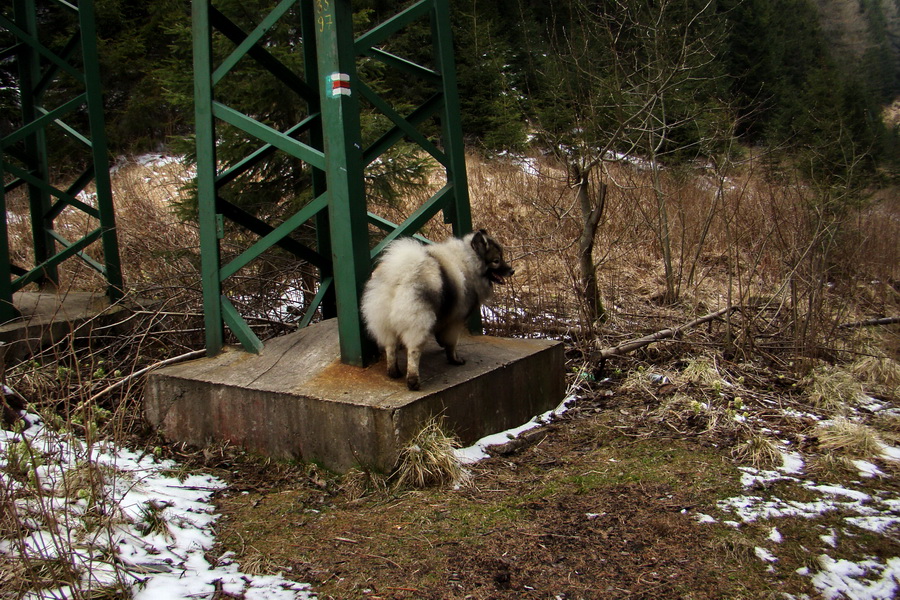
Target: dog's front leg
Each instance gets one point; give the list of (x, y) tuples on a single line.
[(448, 339)]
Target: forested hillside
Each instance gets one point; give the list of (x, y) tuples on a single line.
[(700, 200), (794, 74)]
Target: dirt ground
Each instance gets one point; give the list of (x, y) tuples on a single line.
[(602, 503)]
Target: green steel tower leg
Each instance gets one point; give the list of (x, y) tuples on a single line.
[(460, 213), (308, 27), (7, 309), (344, 173), (113, 266), (206, 174), (334, 153), (24, 151), (35, 145)]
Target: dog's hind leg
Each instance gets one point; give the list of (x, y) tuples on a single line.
[(448, 337), (390, 354), (413, 356), (414, 344)]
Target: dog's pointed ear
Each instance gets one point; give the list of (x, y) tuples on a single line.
[(479, 242)]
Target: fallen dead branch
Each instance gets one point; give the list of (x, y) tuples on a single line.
[(871, 322), (663, 334), (163, 363)]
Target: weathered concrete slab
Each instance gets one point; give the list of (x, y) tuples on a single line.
[(297, 400), (48, 317)]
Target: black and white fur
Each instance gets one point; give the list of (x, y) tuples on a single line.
[(418, 290)]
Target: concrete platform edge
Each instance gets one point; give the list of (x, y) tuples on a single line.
[(320, 423)]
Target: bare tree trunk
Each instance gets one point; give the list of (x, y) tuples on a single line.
[(663, 232), (591, 213)]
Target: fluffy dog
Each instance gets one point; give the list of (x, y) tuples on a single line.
[(418, 290)]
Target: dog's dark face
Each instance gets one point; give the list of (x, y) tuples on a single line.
[(491, 253)]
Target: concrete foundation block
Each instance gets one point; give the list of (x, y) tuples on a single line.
[(48, 317), (296, 400)]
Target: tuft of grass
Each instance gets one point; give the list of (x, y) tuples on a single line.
[(759, 451), (152, 520), (254, 562), (685, 413), (702, 371), (737, 546), (879, 371), (834, 465), (850, 439), (429, 459), (832, 389), (357, 484), (888, 426)]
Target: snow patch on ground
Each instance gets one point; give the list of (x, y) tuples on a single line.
[(165, 560), (791, 462), (478, 450), (867, 579)]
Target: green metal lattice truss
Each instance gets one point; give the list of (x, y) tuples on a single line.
[(334, 151), (24, 156)]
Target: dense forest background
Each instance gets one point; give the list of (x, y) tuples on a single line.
[(680, 78)]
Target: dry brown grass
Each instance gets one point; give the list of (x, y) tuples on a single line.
[(879, 372), (748, 239), (833, 389), (428, 459), (759, 451), (850, 439)]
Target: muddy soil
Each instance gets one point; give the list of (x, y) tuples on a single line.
[(599, 505)]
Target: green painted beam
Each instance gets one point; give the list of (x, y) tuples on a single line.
[(403, 65), (239, 327), (391, 26), (52, 70), (277, 234), (395, 134), (65, 4), (263, 152), (269, 135), (41, 122), (324, 288), (37, 273), (389, 226), (405, 126), (84, 257), (8, 310), (32, 42), (115, 288), (234, 33), (251, 40), (244, 219), (65, 198), (308, 28), (459, 212), (421, 216), (71, 131)]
